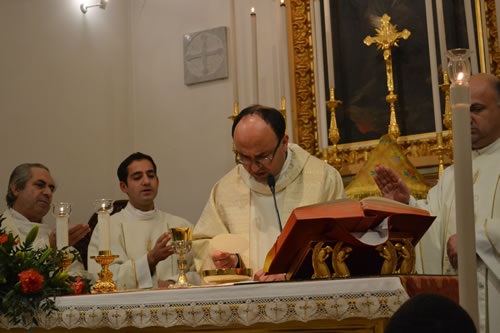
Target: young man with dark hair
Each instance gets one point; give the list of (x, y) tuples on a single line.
[(140, 232)]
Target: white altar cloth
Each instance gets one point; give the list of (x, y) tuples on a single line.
[(245, 304)]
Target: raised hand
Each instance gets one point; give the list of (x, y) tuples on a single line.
[(160, 251), (391, 185)]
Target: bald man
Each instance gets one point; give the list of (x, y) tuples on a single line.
[(242, 203), (438, 246)]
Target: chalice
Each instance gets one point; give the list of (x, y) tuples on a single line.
[(181, 240)]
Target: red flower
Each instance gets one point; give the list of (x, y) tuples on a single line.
[(31, 281), (3, 238), (78, 286)]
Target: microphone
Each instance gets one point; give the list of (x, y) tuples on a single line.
[(272, 182)]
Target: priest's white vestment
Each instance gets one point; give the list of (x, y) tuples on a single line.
[(133, 233), (441, 203), (240, 205), (20, 226)]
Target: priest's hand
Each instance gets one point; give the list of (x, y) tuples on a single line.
[(260, 276), (391, 185), (452, 250), (75, 233), (224, 259), (160, 251)]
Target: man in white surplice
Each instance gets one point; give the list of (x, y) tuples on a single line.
[(29, 197), (438, 246), (139, 233), (241, 203)]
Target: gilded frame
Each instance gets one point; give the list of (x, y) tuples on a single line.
[(304, 112)]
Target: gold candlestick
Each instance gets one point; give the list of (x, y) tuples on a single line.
[(441, 150), (105, 284), (333, 133), (66, 262)]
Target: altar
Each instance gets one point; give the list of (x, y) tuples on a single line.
[(359, 304)]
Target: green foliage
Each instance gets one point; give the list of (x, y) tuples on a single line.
[(22, 299)]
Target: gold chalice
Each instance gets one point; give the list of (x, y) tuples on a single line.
[(181, 240)]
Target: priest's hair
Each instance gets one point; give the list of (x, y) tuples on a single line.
[(270, 115), (19, 177)]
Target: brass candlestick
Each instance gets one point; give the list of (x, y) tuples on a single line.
[(333, 133), (66, 262), (440, 149), (181, 239), (105, 284)]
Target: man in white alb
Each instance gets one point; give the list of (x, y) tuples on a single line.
[(241, 202), (439, 248), (29, 198), (139, 233)]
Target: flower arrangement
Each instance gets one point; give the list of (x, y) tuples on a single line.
[(30, 278)]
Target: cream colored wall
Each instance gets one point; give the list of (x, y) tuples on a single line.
[(65, 95), (79, 92)]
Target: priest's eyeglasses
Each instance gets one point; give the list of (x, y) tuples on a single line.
[(242, 159)]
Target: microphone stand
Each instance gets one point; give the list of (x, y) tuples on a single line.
[(271, 182)]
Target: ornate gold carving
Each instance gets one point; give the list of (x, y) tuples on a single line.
[(406, 254), (387, 37), (339, 255), (492, 36), (319, 256), (388, 252), (303, 77), (105, 283)]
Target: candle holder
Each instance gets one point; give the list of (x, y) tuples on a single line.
[(333, 133), (181, 239), (105, 284), (103, 206), (66, 262), (62, 212)]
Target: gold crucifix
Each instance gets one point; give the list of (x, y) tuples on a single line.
[(387, 37)]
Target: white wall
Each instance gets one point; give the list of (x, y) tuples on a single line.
[(65, 96), (79, 92)]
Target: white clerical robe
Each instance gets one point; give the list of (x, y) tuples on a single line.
[(441, 202), (20, 226), (133, 233), (240, 205)]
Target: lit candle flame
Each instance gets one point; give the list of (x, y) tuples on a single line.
[(460, 76), (253, 10), (282, 2)]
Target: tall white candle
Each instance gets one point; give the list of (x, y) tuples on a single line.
[(282, 48), (469, 21), (61, 231), (329, 44), (103, 221), (235, 52), (442, 34), (320, 74), (255, 62), (433, 63), (464, 198)]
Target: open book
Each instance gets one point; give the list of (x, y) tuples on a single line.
[(340, 220)]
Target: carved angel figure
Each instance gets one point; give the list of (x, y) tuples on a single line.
[(339, 255), (319, 255)]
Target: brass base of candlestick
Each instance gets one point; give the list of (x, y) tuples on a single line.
[(105, 284), (66, 262)]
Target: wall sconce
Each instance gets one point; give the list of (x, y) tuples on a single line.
[(102, 4)]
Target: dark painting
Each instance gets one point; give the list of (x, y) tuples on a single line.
[(360, 70)]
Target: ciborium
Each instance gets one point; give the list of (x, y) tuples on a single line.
[(181, 240)]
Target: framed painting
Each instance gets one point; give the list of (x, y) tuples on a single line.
[(360, 74)]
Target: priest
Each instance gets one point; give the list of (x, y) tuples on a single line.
[(29, 198), (139, 233), (438, 246), (242, 203)]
